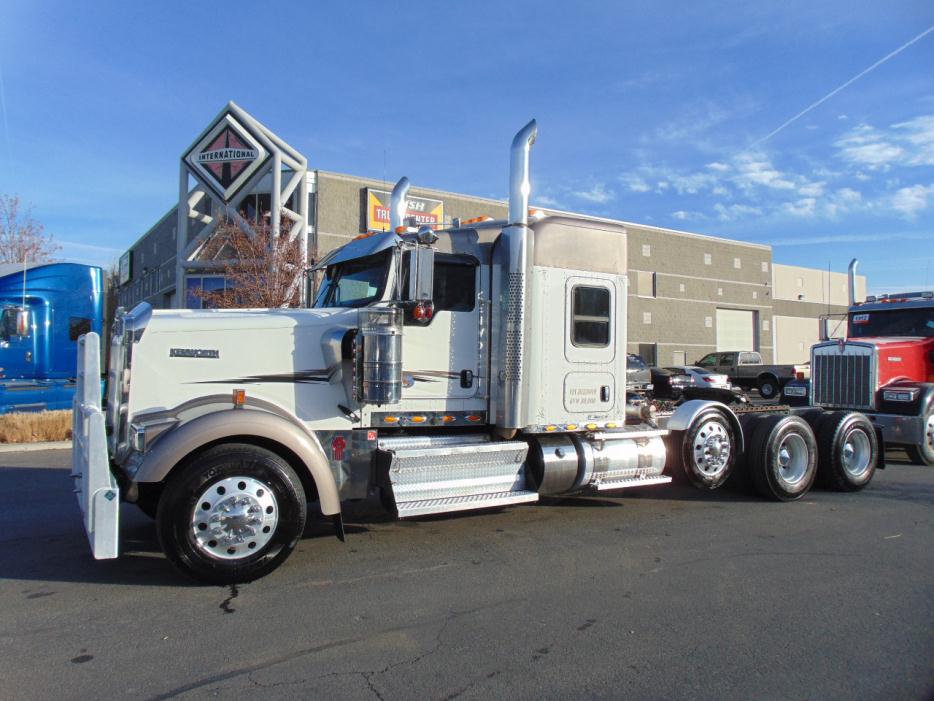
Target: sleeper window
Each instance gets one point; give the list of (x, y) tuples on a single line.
[(590, 317)]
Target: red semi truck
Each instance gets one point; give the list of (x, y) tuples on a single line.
[(882, 367)]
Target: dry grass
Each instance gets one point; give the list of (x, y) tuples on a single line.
[(35, 427)]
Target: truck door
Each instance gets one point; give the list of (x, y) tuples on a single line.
[(441, 360)]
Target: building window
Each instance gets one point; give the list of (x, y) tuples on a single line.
[(708, 259), (708, 322), (765, 267), (681, 287), (196, 286), (719, 292), (590, 317), (646, 250), (755, 294), (799, 282), (765, 324), (646, 317), (737, 263)]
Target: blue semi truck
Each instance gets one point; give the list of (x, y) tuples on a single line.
[(44, 308)]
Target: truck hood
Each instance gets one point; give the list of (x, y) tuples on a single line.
[(902, 358)]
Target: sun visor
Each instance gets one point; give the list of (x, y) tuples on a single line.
[(359, 248)]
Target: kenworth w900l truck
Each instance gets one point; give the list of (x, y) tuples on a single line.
[(473, 367), (883, 367)]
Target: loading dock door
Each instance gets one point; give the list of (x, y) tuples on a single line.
[(736, 330)]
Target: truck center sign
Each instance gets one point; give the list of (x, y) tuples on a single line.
[(423, 210)]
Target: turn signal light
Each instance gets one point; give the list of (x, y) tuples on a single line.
[(239, 397), (423, 311)]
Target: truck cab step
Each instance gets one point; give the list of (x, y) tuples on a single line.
[(425, 507), (629, 482)]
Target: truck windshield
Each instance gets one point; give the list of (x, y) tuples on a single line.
[(893, 322), (355, 283)]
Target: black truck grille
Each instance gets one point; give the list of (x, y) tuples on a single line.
[(843, 379)]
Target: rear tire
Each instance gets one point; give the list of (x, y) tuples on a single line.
[(924, 454), (848, 450), (782, 458), (233, 514), (769, 387), (708, 450)]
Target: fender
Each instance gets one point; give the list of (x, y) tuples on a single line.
[(175, 445), (685, 414)]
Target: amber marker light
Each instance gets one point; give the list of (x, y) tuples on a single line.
[(239, 397)]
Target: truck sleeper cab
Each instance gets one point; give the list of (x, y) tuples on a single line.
[(479, 366)]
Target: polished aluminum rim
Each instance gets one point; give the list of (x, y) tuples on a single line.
[(234, 517), (712, 448), (929, 432), (857, 453), (792, 459)]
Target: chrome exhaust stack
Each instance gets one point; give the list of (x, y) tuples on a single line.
[(398, 204), (512, 254), (851, 281)]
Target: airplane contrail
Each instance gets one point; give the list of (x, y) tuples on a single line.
[(842, 87)]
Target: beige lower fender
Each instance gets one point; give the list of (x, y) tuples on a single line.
[(172, 447)]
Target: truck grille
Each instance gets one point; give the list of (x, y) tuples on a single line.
[(843, 377)]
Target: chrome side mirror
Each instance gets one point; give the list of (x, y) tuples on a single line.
[(22, 322), (422, 274), (824, 328)]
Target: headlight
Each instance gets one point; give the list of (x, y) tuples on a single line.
[(898, 395)]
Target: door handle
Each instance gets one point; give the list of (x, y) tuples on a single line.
[(605, 393)]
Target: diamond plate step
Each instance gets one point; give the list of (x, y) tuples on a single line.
[(452, 476), (425, 507), (630, 482)]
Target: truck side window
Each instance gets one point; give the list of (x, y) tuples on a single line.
[(455, 285), (77, 326), (590, 316), (708, 360)]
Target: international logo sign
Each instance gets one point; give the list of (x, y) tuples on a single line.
[(421, 209), (226, 157)]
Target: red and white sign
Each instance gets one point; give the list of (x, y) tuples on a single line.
[(226, 157)]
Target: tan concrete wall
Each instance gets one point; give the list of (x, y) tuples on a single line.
[(795, 283), (794, 336)]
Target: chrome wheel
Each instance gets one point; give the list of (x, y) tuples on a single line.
[(792, 459), (234, 517), (857, 453), (929, 433), (712, 448)]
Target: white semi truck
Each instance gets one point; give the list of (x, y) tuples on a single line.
[(474, 367)]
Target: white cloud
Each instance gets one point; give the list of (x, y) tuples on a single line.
[(811, 189), (842, 201), (735, 211), (635, 183), (805, 207), (598, 194), (848, 238), (911, 200), (547, 201), (718, 167), (757, 170), (683, 215), (919, 132)]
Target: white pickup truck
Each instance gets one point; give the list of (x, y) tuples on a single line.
[(745, 369)]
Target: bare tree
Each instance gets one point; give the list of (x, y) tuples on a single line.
[(22, 238), (261, 270)]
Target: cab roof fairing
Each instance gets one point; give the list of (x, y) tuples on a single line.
[(359, 248)]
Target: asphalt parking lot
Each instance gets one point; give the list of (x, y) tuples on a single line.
[(663, 593)]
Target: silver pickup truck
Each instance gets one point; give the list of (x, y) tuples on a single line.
[(746, 370)]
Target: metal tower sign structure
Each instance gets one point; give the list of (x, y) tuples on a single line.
[(228, 162)]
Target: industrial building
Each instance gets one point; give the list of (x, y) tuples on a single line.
[(689, 294)]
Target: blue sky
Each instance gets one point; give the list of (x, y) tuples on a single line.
[(656, 114)]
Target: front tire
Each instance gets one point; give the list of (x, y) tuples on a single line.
[(233, 514), (782, 459), (848, 450), (923, 454)]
